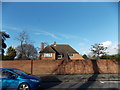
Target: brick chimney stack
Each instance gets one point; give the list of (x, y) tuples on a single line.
[(41, 46), (54, 43)]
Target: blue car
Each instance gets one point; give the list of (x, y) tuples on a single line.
[(15, 79)]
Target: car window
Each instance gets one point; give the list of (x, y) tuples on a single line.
[(19, 72), (6, 74)]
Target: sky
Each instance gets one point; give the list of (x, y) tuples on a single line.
[(79, 24), (60, 0)]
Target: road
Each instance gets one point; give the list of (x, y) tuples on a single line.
[(112, 85)]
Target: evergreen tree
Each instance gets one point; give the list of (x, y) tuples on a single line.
[(11, 53)]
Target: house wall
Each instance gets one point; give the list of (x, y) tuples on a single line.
[(76, 56), (48, 58)]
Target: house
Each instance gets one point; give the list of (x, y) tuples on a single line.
[(59, 51)]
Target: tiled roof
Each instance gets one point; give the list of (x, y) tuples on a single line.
[(59, 48), (47, 49)]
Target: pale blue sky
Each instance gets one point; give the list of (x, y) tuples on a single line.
[(79, 24)]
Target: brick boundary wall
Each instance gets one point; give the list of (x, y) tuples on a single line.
[(64, 67)]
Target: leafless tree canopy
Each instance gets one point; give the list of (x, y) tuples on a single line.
[(28, 51), (25, 50), (23, 37)]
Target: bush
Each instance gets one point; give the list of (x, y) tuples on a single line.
[(116, 57), (8, 58)]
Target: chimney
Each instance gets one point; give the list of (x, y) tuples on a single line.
[(41, 46), (54, 43)]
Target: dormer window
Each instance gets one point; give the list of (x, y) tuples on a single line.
[(59, 56), (70, 54)]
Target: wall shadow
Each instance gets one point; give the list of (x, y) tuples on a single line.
[(48, 82), (93, 78), (60, 69)]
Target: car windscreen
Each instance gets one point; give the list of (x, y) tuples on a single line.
[(19, 72)]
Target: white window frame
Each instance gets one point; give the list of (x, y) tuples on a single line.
[(60, 56), (71, 55), (47, 54)]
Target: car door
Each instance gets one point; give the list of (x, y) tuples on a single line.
[(1, 80), (0, 83), (9, 80)]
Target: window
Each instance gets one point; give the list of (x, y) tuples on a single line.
[(47, 54), (59, 56), (6, 74), (70, 54), (20, 72)]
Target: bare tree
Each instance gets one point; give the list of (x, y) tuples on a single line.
[(23, 38), (29, 50)]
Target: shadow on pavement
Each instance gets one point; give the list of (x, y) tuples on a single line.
[(46, 82), (97, 89), (93, 77)]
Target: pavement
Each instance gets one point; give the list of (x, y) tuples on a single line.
[(82, 81), (80, 77), (110, 85)]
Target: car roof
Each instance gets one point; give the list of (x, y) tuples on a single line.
[(11, 69)]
